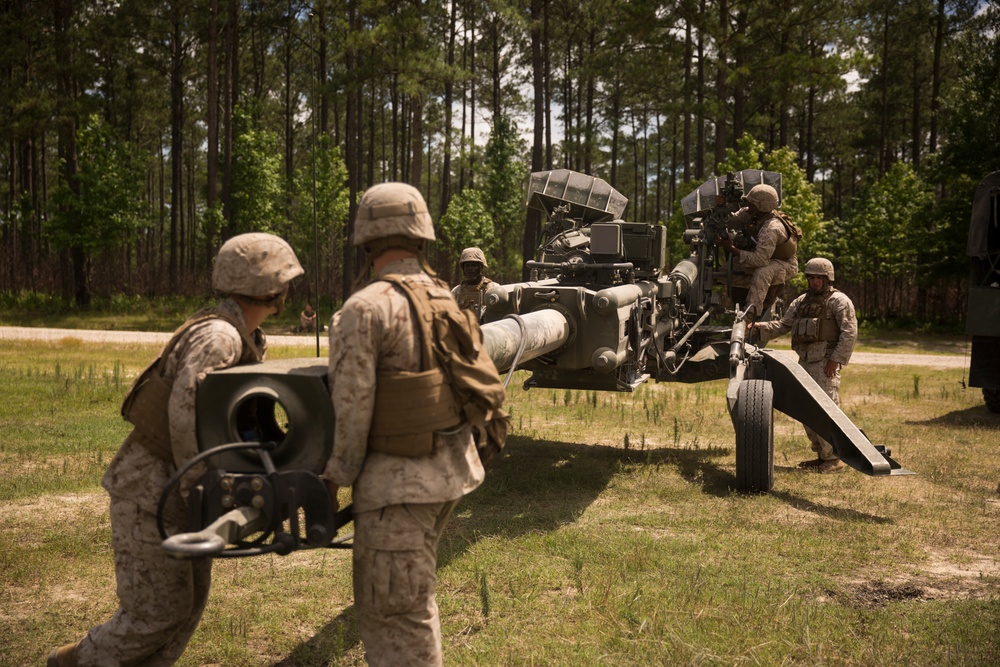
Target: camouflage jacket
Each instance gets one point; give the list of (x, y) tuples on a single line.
[(375, 332), (207, 346), (839, 309), (769, 235)]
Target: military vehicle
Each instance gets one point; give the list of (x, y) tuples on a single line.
[(983, 318), (603, 311)]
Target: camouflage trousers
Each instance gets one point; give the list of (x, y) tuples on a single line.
[(395, 563), (161, 599), (760, 280), (817, 371)]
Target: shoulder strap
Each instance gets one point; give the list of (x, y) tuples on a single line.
[(203, 316), (422, 310)]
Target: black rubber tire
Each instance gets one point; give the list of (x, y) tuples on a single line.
[(754, 437), (992, 398)]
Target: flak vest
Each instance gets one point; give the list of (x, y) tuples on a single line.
[(814, 323), (787, 249), (145, 405), (457, 381)]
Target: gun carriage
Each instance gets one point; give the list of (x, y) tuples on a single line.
[(602, 311)]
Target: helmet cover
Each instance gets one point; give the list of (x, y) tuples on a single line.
[(819, 266), (392, 209), (473, 255), (255, 264), (763, 197)]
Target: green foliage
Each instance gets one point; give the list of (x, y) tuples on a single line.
[(877, 240), (107, 207), (746, 155), (801, 202), (257, 180), (506, 171), (330, 196), (467, 222), (798, 197)]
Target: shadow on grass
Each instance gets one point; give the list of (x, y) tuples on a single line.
[(332, 641), (975, 417), (541, 485), (836, 513)]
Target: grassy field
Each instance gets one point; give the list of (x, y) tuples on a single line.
[(609, 534)]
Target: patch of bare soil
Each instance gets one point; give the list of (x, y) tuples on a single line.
[(68, 509), (970, 577)]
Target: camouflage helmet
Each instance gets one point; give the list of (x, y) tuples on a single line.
[(255, 264), (473, 255), (392, 209), (763, 197), (819, 266)]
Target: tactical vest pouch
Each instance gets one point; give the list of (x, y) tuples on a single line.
[(409, 408), (815, 324), (145, 405), (453, 342), (787, 249), (806, 331)]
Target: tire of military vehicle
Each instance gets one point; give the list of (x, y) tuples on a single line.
[(992, 398), (754, 437)]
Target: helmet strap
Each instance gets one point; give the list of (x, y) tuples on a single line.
[(276, 301)]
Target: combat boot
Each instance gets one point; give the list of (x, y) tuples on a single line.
[(832, 465), (64, 656), (814, 463)]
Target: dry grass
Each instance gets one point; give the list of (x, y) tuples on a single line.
[(578, 549)]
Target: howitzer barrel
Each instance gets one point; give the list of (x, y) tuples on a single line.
[(539, 332)]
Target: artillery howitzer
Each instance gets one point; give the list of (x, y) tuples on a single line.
[(601, 312)]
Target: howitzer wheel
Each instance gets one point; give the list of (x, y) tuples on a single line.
[(754, 436)]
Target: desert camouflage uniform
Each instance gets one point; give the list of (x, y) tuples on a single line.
[(401, 504), (161, 599), (472, 296), (756, 268), (813, 356)]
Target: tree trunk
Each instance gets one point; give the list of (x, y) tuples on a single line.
[(721, 84), (936, 84), (531, 227), (212, 119), (883, 135), (350, 133), (67, 120), (449, 95), (176, 144), (230, 94), (417, 140)]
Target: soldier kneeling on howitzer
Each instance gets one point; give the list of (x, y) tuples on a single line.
[(765, 252), (824, 330)]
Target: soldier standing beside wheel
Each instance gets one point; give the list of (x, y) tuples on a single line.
[(824, 330), (161, 598), (403, 441), (471, 292), (765, 253)]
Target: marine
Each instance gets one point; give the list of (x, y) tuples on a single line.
[(824, 330), (161, 599), (404, 437)]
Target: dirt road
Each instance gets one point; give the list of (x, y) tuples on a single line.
[(939, 361)]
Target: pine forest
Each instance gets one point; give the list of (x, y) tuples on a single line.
[(137, 136)]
